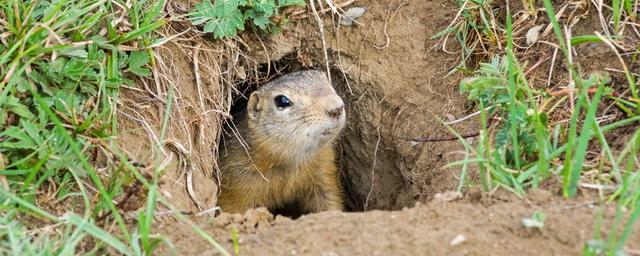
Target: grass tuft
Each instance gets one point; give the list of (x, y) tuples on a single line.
[(62, 66), (523, 142), (476, 31)]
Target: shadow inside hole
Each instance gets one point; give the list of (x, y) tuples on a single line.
[(353, 202)]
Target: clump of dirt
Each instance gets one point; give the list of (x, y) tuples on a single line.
[(250, 221)]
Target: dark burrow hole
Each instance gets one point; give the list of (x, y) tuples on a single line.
[(265, 73)]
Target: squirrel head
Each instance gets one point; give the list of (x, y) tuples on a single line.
[(296, 115)]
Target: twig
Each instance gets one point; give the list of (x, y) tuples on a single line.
[(535, 66), (373, 166), (597, 186), (324, 43), (207, 211), (340, 62), (3, 179), (443, 138), (4, 183), (159, 214), (196, 71), (175, 212), (190, 191), (467, 117), (558, 15), (569, 92), (553, 61), (183, 155), (298, 15)]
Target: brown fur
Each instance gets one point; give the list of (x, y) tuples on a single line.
[(287, 154)]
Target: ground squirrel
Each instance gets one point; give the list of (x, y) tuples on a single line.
[(286, 158)]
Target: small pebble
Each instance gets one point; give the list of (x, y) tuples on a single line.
[(459, 239), (351, 15), (533, 34)]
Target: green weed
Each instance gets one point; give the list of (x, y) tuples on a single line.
[(508, 158), (475, 29), (16, 239), (622, 8), (225, 18), (61, 67), (519, 146), (235, 239)]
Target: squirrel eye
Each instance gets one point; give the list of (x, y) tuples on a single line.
[(282, 101)]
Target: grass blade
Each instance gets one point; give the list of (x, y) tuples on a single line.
[(97, 232), (571, 186)]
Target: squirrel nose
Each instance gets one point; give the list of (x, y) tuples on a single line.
[(336, 112)]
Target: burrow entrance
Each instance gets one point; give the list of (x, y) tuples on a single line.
[(379, 169), (269, 71)]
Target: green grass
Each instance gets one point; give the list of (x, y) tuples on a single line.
[(62, 65), (62, 75), (520, 145), (622, 9)]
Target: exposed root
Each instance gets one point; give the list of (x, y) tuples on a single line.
[(301, 14), (443, 138), (192, 194), (322, 37), (386, 25)]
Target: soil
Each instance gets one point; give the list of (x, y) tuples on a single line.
[(478, 224), (397, 88)]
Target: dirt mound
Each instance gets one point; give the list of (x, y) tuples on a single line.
[(479, 224)]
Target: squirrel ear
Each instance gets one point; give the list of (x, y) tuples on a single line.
[(253, 106)]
